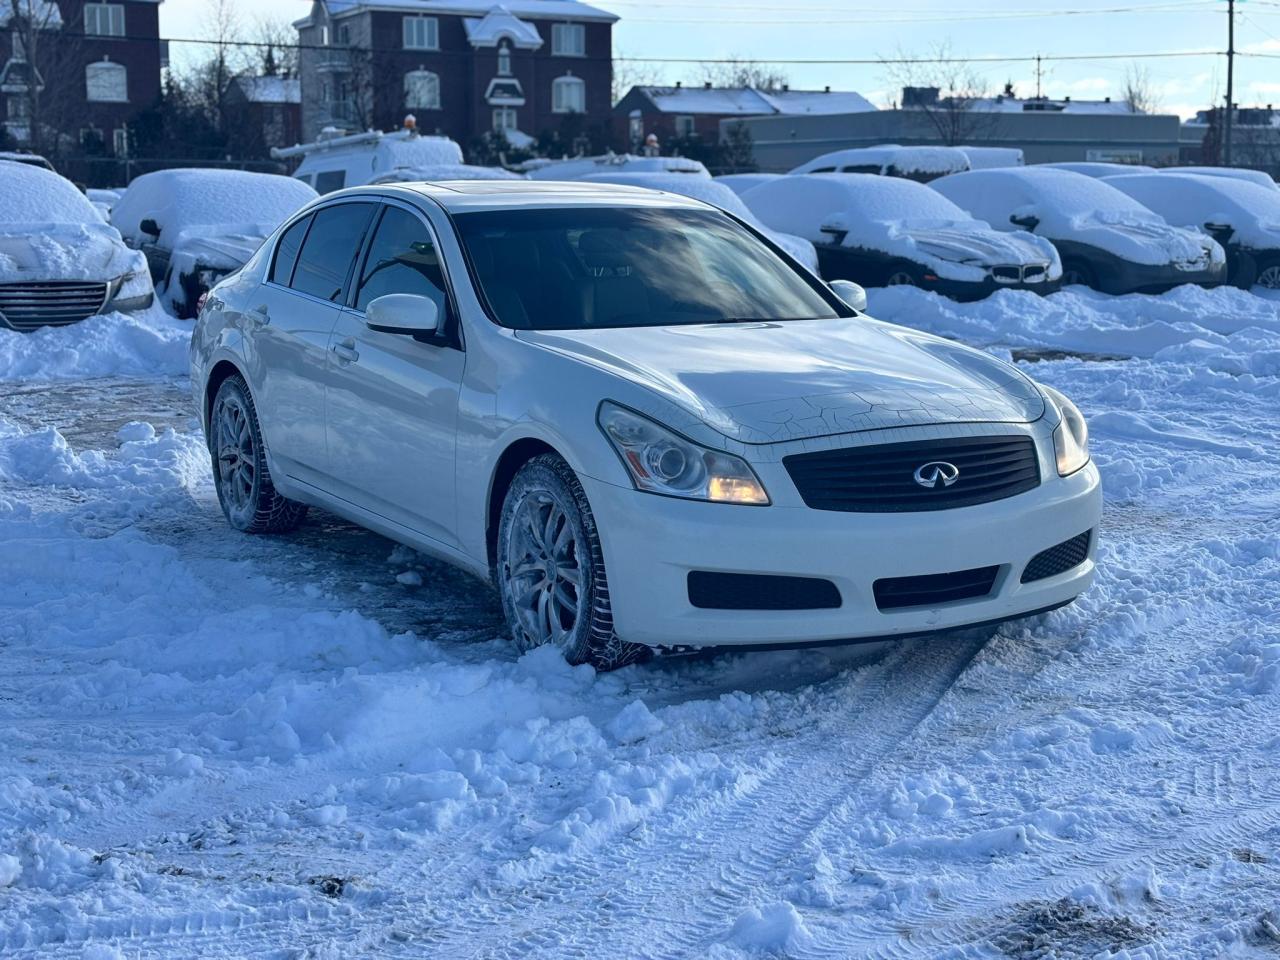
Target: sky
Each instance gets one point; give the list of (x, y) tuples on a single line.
[(875, 30)]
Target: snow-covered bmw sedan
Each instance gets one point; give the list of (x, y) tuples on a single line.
[(59, 263), (644, 424)]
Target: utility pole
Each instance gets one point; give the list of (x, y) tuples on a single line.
[(1228, 122), (1039, 75)]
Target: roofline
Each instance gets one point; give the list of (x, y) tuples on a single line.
[(589, 13)]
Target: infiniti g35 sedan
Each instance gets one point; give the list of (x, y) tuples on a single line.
[(639, 418)]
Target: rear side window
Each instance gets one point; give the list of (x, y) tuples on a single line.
[(330, 249), (287, 252), (330, 180), (402, 259)]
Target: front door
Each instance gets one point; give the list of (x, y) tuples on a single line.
[(391, 399)]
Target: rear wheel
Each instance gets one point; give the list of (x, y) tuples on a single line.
[(248, 497), (550, 569)]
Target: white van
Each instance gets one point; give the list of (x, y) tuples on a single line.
[(336, 160)]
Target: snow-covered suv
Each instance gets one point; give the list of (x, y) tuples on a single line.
[(638, 420)]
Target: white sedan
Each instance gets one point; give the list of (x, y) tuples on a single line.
[(637, 420)]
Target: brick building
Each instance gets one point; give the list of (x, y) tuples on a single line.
[(462, 67)]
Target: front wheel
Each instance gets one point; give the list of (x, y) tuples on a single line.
[(550, 569), (1269, 275)]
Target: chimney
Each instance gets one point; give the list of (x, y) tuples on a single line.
[(826, 89), (707, 85), (1108, 100), (1066, 99), (677, 84), (786, 88)]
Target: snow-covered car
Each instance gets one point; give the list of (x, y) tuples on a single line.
[(103, 201), (1231, 173), (740, 183), (335, 160), (576, 168), (988, 158), (882, 231), (718, 195), (1243, 217), (921, 164), (1106, 239), (660, 433), (1096, 168), (440, 172), (59, 263), (196, 226), (29, 159)]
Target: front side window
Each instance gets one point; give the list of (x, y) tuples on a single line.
[(568, 95), (422, 90), (287, 252), (568, 40), (330, 249), (104, 19), (106, 82), (592, 267), (421, 33), (402, 259)]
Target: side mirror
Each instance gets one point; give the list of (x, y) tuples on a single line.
[(1219, 229), (405, 313), (149, 226), (1026, 221), (850, 293)]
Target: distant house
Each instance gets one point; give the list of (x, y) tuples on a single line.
[(681, 112), (268, 111), (461, 67), (79, 71)]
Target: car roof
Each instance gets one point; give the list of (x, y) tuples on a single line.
[(475, 195)]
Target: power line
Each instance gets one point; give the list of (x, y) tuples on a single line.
[(1187, 6)]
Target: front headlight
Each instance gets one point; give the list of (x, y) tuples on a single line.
[(660, 461), (135, 286), (1071, 438)]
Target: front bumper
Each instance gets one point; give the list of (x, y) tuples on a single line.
[(652, 543), (964, 290)]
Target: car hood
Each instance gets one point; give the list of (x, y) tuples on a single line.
[(1154, 243), (977, 244), (71, 251), (802, 379)]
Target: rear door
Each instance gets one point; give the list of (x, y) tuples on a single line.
[(392, 399), (292, 315)]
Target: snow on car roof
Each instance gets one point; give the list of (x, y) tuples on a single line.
[(445, 171), (1231, 173), (464, 195), (180, 199), (906, 160), (1092, 168), (30, 194), (993, 195), (1194, 199), (801, 204)]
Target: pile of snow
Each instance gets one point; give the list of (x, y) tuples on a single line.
[(581, 167), (200, 202), (147, 344), (1193, 200), (436, 173), (1222, 329), (33, 195), (895, 217), (1071, 206), (717, 194), (891, 160)]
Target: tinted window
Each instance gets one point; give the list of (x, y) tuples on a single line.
[(305, 178), (330, 180), (402, 259), (330, 248), (581, 267), (287, 252)]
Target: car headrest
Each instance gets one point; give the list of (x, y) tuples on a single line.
[(605, 249)]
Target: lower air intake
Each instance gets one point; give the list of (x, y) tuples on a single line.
[(1059, 559), (934, 590)]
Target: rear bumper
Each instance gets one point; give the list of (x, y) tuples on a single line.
[(652, 544)]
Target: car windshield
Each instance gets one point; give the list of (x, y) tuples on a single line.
[(575, 268)]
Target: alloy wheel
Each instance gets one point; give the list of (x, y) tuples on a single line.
[(1270, 277), (237, 455), (901, 278), (544, 578)]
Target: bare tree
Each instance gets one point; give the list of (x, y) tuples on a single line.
[(632, 73), (39, 101), (1139, 95), (738, 72), (949, 92), (276, 50)]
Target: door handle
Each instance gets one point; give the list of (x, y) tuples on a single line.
[(346, 351)]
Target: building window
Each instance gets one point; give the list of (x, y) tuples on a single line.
[(104, 19), (568, 40), (568, 95), (344, 35), (684, 126), (635, 126), (422, 90), (19, 108), (421, 33), (120, 142), (106, 82), (504, 119), (504, 60)]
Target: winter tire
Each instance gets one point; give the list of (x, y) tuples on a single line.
[(550, 569), (240, 474)]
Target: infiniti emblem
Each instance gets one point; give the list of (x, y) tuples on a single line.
[(936, 474)]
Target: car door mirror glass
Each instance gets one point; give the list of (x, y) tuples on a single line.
[(405, 313), (1026, 221), (851, 293)]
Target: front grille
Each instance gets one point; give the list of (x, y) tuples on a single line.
[(1019, 273), (1058, 559), (26, 306), (934, 590), (1035, 272), (881, 478), (1009, 274), (752, 591)]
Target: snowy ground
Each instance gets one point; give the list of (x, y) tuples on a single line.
[(243, 747)]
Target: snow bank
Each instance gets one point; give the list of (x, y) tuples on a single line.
[(179, 200), (150, 344), (1224, 328), (33, 195)]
